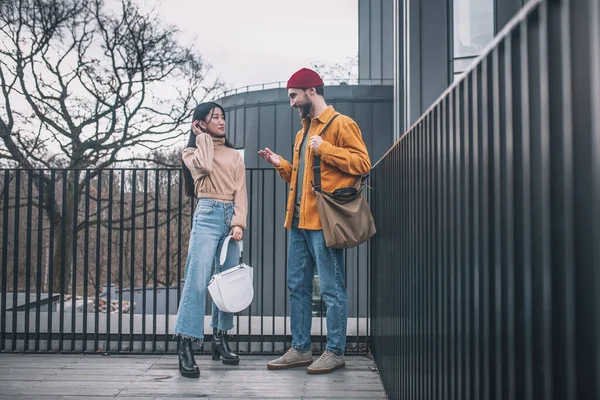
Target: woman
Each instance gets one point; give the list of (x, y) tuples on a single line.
[(215, 174)]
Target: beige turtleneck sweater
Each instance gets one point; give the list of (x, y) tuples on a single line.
[(219, 173)]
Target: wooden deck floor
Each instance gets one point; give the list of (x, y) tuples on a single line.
[(39, 376)]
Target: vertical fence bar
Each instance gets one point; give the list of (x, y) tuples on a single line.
[(408, 256), (179, 233), (357, 298), (368, 315), (442, 247), (155, 253), (461, 288), (422, 262), (451, 232), (460, 216), (121, 260), (428, 278), (517, 200), (398, 350), (63, 252), (526, 209), (251, 246), (408, 172), (40, 241), (433, 165), (429, 266), (474, 80), (262, 263), (98, 260), (417, 261), (52, 220), (132, 260), (467, 262), (28, 256), (561, 104), (440, 195), (274, 255), (285, 288), (400, 252), (5, 225), (583, 26), (434, 236), (545, 265), (16, 258), (495, 230), (86, 259), (509, 234), (246, 241), (411, 261), (486, 126), (109, 285), (414, 262), (168, 261), (75, 227), (402, 322), (144, 258)]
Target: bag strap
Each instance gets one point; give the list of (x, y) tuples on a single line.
[(317, 160), (223, 256)]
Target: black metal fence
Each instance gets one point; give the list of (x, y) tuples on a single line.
[(93, 261), (486, 265)]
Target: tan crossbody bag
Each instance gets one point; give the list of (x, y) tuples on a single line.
[(345, 214)]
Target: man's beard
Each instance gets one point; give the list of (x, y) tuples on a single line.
[(305, 109)]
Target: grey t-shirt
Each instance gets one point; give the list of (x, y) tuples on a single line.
[(301, 166)]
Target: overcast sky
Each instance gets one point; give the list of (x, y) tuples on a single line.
[(260, 41)]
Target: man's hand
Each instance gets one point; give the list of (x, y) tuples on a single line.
[(315, 143), (237, 233), (271, 157)]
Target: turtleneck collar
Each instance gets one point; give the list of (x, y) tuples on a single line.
[(218, 141)]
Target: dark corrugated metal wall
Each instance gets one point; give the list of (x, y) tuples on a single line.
[(486, 268)]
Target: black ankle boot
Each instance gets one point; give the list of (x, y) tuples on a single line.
[(187, 364), (220, 348)]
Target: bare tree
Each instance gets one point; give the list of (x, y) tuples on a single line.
[(86, 87), (339, 73)]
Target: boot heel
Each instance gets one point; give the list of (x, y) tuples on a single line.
[(187, 365), (216, 356)]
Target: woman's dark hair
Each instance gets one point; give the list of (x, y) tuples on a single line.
[(200, 113)]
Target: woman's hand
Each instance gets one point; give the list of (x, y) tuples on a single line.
[(197, 127), (237, 233)]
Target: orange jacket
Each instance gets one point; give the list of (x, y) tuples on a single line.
[(344, 158)]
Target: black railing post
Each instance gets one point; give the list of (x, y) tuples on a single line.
[(16, 259), (39, 274), (5, 225)]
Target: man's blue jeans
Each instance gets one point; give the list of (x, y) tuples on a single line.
[(306, 249)]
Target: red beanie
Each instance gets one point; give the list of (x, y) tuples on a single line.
[(304, 79)]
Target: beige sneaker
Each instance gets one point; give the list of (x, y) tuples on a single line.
[(291, 359), (328, 362)]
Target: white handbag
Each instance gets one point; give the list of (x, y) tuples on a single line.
[(231, 290)]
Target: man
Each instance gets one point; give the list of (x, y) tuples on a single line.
[(344, 158)]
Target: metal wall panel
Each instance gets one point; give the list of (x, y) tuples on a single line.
[(375, 42), (485, 268)]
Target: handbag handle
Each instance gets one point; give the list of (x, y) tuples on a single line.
[(317, 160), (223, 256)]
